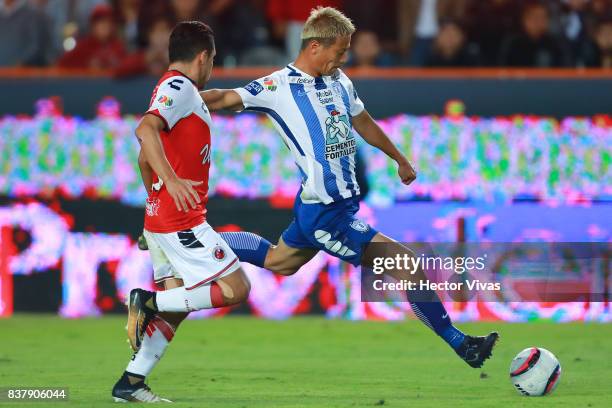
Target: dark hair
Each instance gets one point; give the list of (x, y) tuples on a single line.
[(188, 39)]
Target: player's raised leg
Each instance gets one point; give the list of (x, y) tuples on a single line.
[(226, 291), (145, 305), (207, 265), (429, 309)]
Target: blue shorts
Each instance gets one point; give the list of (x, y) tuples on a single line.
[(332, 228)]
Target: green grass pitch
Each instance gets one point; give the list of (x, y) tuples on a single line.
[(302, 362)]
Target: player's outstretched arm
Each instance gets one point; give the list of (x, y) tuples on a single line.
[(181, 190), (218, 99), (374, 135)]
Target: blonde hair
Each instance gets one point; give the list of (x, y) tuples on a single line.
[(325, 24)]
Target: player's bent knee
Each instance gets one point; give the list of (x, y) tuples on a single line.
[(235, 288), (242, 293), (241, 290)]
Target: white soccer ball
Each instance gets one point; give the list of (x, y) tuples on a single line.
[(535, 371)]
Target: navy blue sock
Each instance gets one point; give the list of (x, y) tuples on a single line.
[(435, 316), (249, 247)]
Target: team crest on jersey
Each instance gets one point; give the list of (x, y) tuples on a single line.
[(270, 84), (166, 101), (339, 140), (360, 226), (337, 128), (218, 253), (254, 88), (152, 206)]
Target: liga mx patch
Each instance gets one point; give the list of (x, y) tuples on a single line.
[(270, 84), (166, 101), (254, 88)]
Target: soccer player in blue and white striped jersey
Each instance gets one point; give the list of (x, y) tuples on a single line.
[(315, 107)]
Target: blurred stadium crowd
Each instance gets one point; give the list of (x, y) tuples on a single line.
[(129, 37)]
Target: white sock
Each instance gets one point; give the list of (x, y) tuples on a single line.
[(158, 335), (183, 300)]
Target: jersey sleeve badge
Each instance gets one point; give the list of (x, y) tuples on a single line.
[(165, 102), (270, 84), (254, 88)]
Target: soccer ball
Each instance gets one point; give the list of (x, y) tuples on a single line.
[(535, 371)]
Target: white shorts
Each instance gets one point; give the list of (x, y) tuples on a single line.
[(197, 256)]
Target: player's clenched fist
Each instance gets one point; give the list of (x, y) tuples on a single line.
[(406, 173), (182, 192)]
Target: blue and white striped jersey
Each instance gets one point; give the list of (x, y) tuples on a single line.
[(314, 117)]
